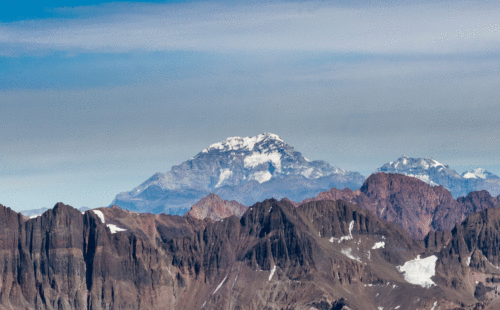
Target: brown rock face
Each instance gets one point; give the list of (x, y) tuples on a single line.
[(214, 208), (478, 201), (411, 203), (414, 205), (275, 256), (64, 259)]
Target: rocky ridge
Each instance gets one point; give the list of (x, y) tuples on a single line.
[(216, 209), (414, 205), (320, 255)]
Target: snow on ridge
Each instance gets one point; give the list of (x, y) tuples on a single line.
[(470, 175), (224, 174), (405, 162), (435, 163), (420, 271), (241, 143), (272, 272), (114, 229), (478, 173), (100, 215), (378, 245)]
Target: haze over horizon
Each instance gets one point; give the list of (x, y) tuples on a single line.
[(96, 98)]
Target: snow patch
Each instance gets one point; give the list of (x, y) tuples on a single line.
[(468, 260), (100, 215), (378, 245), (35, 216), (347, 252), (434, 306), (307, 173), (470, 175), (420, 271), (220, 285), (256, 159), (224, 174), (114, 229), (351, 225), (478, 173), (272, 272), (423, 177), (261, 176)]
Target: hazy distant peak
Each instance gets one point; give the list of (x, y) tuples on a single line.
[(479, 173), (237, 165), (405, 163)]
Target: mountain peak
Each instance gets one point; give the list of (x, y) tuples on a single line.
[(243, 143), (235, 169), (215, 208), (479, 173), (405, 162)]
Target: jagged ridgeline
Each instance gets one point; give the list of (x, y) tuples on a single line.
[(244, 169), (321, 255)]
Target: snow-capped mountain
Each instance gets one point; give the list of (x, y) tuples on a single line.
[(245, 169), (479, 173), (435, 173)]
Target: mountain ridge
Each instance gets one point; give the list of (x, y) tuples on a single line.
[(411, 203), (320, 255)]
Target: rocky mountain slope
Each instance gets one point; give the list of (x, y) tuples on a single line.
[(435, 173), (216, 209), (244, 169), (320, 255), (416, 206)]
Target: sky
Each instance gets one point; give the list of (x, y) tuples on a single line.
[(98, 96)]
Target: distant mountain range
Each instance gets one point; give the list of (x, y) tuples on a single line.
[(251, 169), (436, 173), (247, 170)]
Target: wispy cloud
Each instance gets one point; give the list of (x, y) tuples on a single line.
[(412, 28)]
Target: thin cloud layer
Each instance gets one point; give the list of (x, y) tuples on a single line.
[(450, 27)]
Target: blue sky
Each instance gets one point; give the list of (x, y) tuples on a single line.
[(97, 97)]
